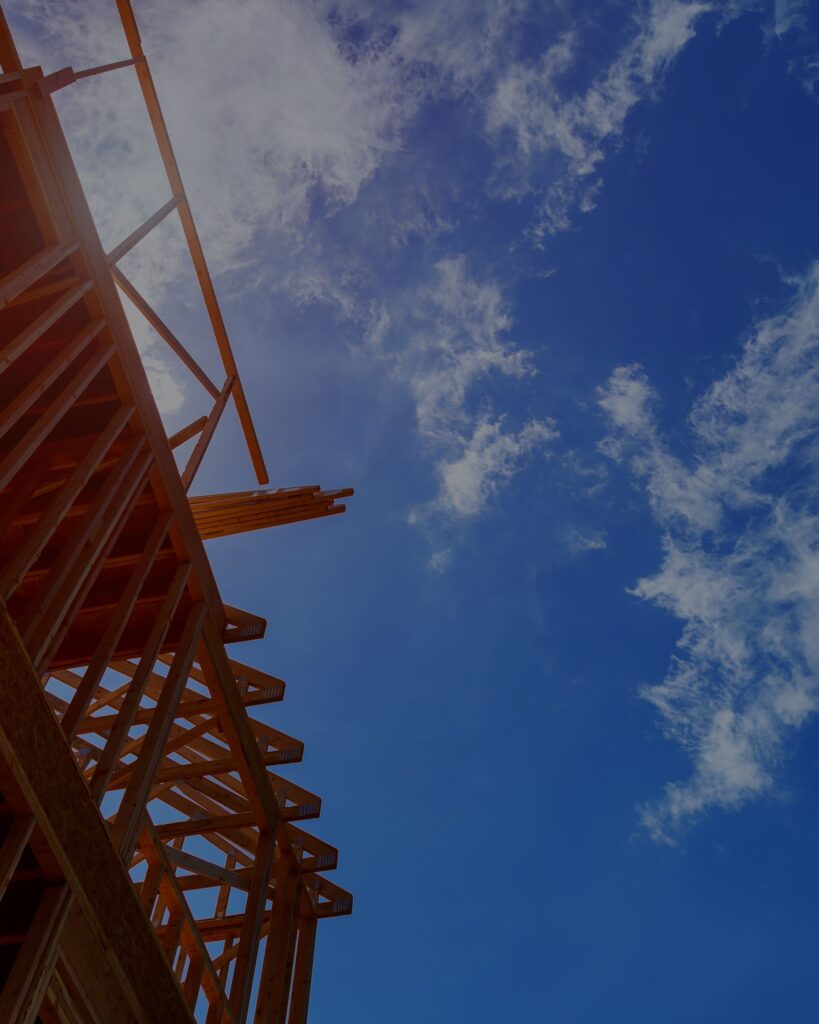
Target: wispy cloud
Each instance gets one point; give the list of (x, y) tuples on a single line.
[(442, 340), (269, 118), (557, 138), (740, 567), (282, 114), (789, 15), (580, 541), (488, 458)]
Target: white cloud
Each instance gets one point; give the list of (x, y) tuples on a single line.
[(489, 458), (789, 15), (262, 106), (560, 137), (282, 112), (581, 541), (267, 117), (441, 340), (740, 567)]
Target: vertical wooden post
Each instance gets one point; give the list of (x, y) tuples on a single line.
[(251, 926), (193, 980), (303, 971), (280, 1014), (149, 889), (274, 965)]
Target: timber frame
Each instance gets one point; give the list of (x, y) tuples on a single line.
[(153, 867)]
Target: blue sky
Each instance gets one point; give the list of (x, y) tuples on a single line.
[(539, 280)]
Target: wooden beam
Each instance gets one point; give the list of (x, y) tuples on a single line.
[(68, 76), (303, 970), (28, 443), (39, 384), (59, 284), (61, 187), (36, 540), (129, 815), (241, 625), (32, 270), (280, 1011), (218, 874), (274, 964), (101, 68), (202, 826), (37, 328), (240, 989), (116, 624), (192, 235), (125, 246), (74, 592), (75, 559), (9, 57), (190, 936), (165, 333), (175, 772), (198, 453), (186, 433)]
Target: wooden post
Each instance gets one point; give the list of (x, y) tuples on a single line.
[(280, 1014), (240, 988), (274, 977), (303, 971), (220, 911)]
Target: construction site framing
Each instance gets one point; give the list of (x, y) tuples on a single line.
[(151, 866)]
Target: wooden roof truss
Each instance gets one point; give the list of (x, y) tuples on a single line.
[(143, 814)]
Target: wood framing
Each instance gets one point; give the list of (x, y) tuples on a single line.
[(151, 867)]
